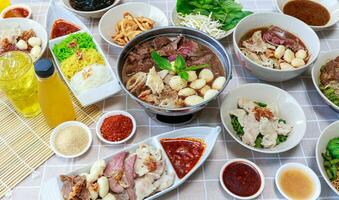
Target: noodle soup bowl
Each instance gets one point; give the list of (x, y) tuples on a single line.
[(287, 23)]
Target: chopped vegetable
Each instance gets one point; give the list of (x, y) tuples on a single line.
[(282, 120), (261, 104), (330, 93), (331, 158), (333, 147), (281, 138), (227, 12), (258, 141), (236, 125)]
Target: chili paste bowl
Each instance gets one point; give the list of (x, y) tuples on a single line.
[(287, 106), (114, 113)]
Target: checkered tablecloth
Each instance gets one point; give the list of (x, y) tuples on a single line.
[(204, 184)]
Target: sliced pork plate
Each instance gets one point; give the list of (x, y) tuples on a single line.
[(258, 124)]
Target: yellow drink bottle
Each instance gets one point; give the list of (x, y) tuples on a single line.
[(54, 98), (4, 4)]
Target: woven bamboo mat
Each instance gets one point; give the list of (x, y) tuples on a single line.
[(24, 143)]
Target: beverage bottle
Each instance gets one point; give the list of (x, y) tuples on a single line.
[(54, 98)]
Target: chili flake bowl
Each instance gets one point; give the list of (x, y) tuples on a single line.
[(114, 113)]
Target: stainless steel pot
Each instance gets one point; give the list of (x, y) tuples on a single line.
[(213, 44)]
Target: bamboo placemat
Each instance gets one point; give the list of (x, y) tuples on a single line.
[(24, 142)]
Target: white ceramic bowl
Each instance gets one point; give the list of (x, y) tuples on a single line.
[(329, 133), (289, 109), (112, 113), (262, 186), (175, 22), (26, 24), (110, 19), (17, 6), (306, 169), (331, 5), (288, 23), (68, 124), (89, 14), (322, 60)]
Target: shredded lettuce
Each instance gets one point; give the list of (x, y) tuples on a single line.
[(329, 92)]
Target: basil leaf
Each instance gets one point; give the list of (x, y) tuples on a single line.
[(180, 63), (183, 75), (161, 62), (196, 67)]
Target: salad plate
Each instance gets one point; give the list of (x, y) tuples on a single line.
[(93, 94), (51, 190)]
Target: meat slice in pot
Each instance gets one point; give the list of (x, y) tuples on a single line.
[(159, 42), (115, 170), (171, 48), (330, 72)]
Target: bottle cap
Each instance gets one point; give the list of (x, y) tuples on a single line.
[(44, 68)]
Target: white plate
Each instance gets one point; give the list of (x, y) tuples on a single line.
[(51, 190), (322, 60), (92, 95), (110, 18), (329, 133), (331, 5), (289, 109), (26, 24)]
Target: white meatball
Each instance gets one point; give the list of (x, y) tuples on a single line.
[(177, 83), (288, 55), (168, 78), (218, 83), (36, 51), (210, 94), (192, 76), (297, 62), (109, 196), (22, 45), (204, 89), (103, 186), (186, 92), (34, 41), (98, 168), (198, 84), (286, 66), (207, 75), (279, 51), (301, 54), (193, 100)]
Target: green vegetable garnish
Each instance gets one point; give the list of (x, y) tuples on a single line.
[(329, 92), (281, 138), (258, 141), (261, 104), (331, 158), (333, 148), (179, 66), (72, 44), (236, 125), (282, 120), (227, 12)]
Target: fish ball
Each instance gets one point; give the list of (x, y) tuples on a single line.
[(35, 51), (163, 73), (204, 89), (186, 92), (193, 100), (22, 45), (206, 74), (103, 186), (98, 167), (286, 66), (297, 62), (198, 84), (288, 55), (34, 41), (279, 51), (168, 78), (218, 83), (192, 76), (301, 54), (210, 94), (109, 196), (177, 83)]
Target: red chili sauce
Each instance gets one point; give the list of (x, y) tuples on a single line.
[(17, 12), (184, 153), (116, 128), (241, 179), (62, 27)]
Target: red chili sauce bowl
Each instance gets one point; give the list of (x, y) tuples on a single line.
[(115, 127), (242, 179), (16, 11)]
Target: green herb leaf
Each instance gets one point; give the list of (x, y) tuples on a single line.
[(236, 125), (180, 63), (282, 120), (196, 67), (261, 104), (161, 62), (183, 75), (258, 141), (281, 138)]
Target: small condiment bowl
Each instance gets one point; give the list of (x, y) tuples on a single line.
[(304, 168), (113, 113), (24, 6), (65, 125), (262, 178), (332, 7)]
